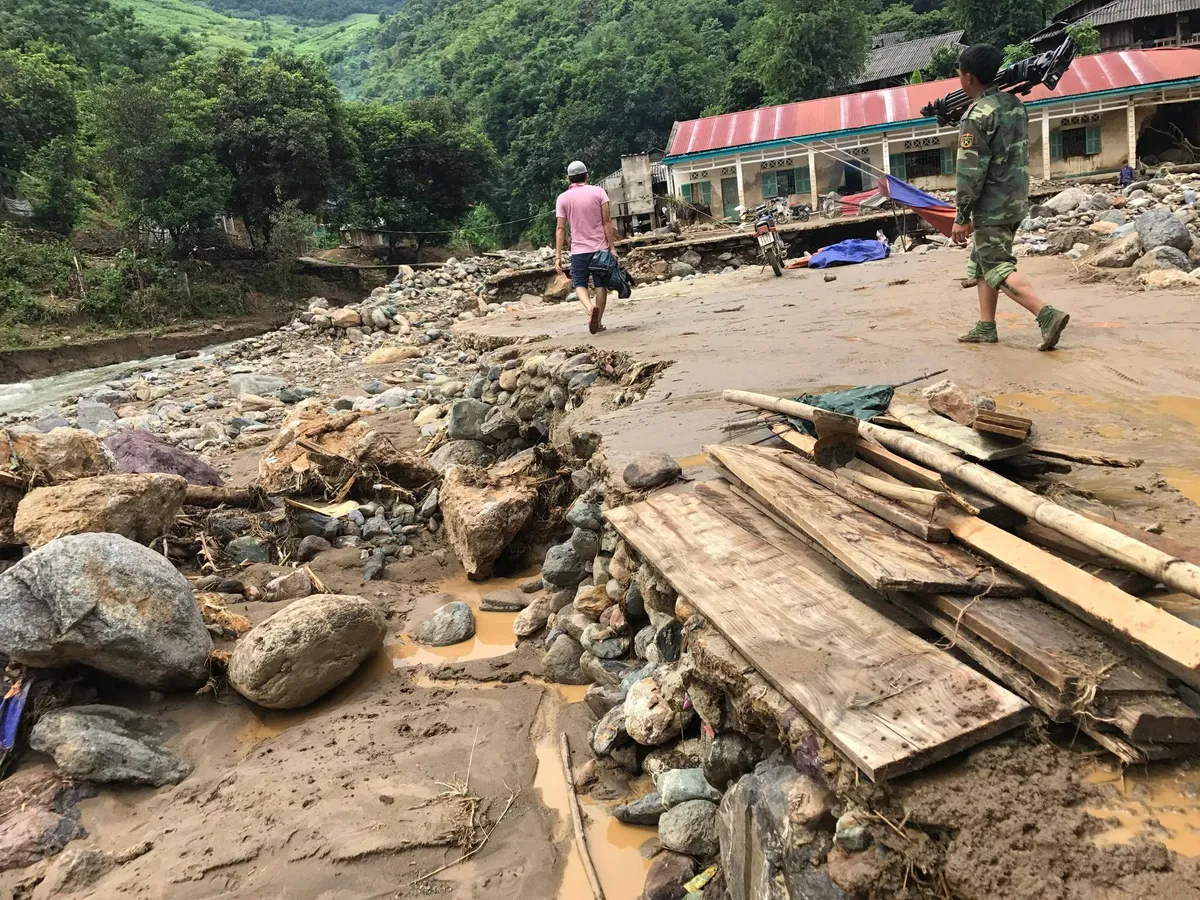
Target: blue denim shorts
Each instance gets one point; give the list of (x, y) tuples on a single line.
[(580, 265)]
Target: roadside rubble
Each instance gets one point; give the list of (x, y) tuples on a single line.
[(1147, 233)]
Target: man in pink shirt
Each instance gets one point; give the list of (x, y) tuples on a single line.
[(585, 207)]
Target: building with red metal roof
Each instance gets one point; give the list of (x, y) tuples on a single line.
[(1089, 124)]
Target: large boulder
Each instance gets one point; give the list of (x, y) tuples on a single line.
[(388, 356), (561, 662), (93, 416), (139, 507), (108, 744), (57, 456), (771, 826), (563, 567), (1163, 258), (1065, 238), (1121, 253), (1168, 278), (1066, 201), (482, 516), (103, 601), (139, 452), (667, 875), (1159, 227), (305, 650), (38, 816)]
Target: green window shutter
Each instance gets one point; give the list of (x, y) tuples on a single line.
[(788, 187), (1056, 148), (803, 181), (897, 165), (706, 194), (768, 185), (685, 191), (1092, 140), (948, 160)]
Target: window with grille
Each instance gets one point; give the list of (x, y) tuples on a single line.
[(928, 163), (784, 182), (1075, 143)]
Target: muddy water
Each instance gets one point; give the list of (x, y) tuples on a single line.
[(615, 848), (1160, 803), (493, 630)]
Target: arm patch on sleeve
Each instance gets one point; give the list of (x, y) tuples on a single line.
[(967, 141)]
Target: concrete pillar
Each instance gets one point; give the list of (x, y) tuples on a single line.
[(737, 165), (1131, 132), (812, 179), (1046, 145), (887, 157)]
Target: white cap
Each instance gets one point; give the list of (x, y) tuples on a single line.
[(576, 168)]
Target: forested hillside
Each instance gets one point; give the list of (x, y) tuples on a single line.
[(304, 11), (550, 80)]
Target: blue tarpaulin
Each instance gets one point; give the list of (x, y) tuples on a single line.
[(845, 253)]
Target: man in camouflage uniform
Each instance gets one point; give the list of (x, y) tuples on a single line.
[(993, 195)]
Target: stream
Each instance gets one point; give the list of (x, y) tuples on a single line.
[(26, 396)]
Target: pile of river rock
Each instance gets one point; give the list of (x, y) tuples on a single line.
[(1148, 233)]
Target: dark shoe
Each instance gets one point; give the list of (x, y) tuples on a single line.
[(1052, 322), (982, 333)]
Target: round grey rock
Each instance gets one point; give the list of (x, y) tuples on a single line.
[(585, 515), (586, 544), (690, 828), (651, 471), (677, 786), (730, 756), (563, 567), (449, 624), (561, 662), (108, 744)]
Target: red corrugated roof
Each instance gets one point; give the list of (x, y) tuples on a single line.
[(1087, 75)]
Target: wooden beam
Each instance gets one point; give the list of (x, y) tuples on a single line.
[(886, 699), (982, 447), (1171, 642), (845, 488), (1080, 455), (1172, 571), (882, 555)]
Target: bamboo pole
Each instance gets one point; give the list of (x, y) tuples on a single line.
[(1175, 573), (901, 492), (577, 820)]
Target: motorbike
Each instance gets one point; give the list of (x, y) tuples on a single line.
[(770, 244), (800, 211)]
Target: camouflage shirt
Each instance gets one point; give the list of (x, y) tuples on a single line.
[(993, 161)]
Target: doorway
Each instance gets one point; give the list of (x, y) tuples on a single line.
[(729, 197)]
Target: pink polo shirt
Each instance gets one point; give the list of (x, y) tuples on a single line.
[(580, 205)]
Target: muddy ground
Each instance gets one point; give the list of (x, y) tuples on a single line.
[(367, 792)]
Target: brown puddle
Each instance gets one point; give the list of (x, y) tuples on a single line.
[(493, 630), (1186, 481), (695, 461), (570, 693), (1186, 408), (613, 846), (1162, 804)]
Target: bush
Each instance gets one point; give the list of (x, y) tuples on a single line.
[(477, 234)]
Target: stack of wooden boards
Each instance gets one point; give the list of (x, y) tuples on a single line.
[(817, 577)]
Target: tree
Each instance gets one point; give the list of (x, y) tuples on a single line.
[(1017, 52), (998, 22), (808, 48), (275, 125), (1086, 36), (418, 168), (916, 78), (162, 168), (52, 184), (943, 64), (37, 106)]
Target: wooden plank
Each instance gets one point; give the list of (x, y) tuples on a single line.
[(1154, 719), (1048, 701), (984, 427), (878, 552), (889, 701), (1030, 466), (1050, 643), (743, 512), (958, 437), (1080, 455), (902, 518), (1171, 642)]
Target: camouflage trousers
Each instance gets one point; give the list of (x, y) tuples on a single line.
[(990, 254)]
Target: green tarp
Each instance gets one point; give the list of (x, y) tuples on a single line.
[(864, 402)]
